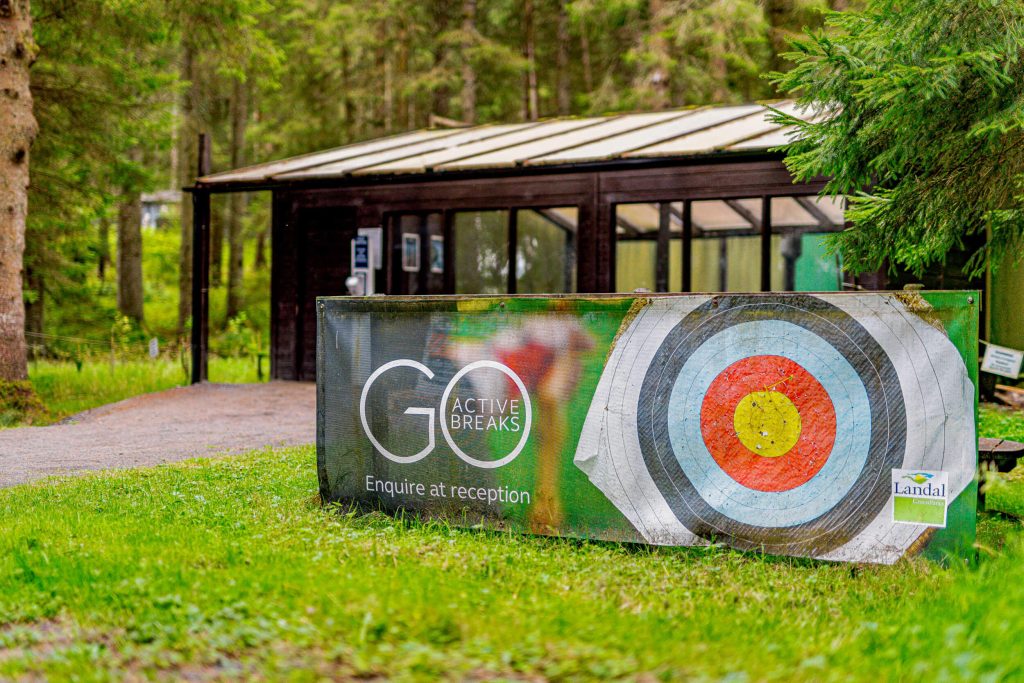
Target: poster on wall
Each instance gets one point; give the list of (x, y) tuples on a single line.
[(790, 424), (436, 254), (410, 252)]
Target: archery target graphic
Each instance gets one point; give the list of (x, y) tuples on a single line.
[(774, 421)]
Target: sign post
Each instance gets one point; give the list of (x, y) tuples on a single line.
[(833, 426)]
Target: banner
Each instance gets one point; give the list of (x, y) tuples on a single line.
[(833, 426)]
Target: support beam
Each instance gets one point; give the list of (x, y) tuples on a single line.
[(808, 205), (201, 268), (766, 244), (448, 219), (687, 283), (513, 248), (662, 250), (745, 213)]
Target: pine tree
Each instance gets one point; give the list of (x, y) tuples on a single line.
[(923, 125)]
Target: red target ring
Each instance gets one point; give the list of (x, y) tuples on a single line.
[(751, 406)]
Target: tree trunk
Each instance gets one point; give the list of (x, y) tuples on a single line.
[(468, 72), (34, 311), (588, 70), (658, 77), (562, 61), (777, 12), (260, 260), (441, 94), (531, 103), (217, 221), (838, 5), (17, 131), (104, 247), (188, 162), (346, 97), (129, 256), (236, 242)]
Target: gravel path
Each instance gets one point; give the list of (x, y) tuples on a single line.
[(181, 423)]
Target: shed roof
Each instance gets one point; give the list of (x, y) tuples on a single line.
[(682, 133)]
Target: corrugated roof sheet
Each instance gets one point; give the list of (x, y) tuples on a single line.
[(680, 133)]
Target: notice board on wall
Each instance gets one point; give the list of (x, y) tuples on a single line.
[(832, 426)]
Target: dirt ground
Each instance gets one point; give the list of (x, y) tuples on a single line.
[(181, 423)]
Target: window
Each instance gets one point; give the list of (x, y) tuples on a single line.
[(546, 251), (543, 249), (725, 244), (481, 252)]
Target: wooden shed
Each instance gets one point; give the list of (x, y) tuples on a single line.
[(673, 201)]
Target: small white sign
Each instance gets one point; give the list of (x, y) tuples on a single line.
[(1002, 361), (376, 236), (920, 497)]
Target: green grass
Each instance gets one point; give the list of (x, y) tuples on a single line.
[(230, 568), (66, 389), (999, 422)]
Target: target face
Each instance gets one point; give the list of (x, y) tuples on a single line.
[(773, 422)]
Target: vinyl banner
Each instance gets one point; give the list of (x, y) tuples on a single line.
[(833, 426)]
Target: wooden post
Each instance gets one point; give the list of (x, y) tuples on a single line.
[(513, 247), (201, 268), (766, 244), (662, 255), (448, 221), (687, 284)]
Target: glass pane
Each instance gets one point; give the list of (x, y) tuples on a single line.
[(415, 268), (481, 252), (546, 251), (800, 259), (724, 261), (635, 263), (636, 250)]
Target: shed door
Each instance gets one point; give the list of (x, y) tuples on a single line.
[(324, 256)]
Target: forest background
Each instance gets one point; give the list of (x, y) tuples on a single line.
[(122, 88)]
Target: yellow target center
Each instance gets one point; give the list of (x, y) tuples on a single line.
[(767, 423)]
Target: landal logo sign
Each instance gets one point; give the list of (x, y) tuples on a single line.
[(919, 497), (491, 409)]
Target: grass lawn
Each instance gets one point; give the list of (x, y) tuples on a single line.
[(230, 568), (65, 389)]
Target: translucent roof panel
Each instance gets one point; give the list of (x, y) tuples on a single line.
[(717, 137), (270, 169), (524, 132), (680, 133), (717, 214), (346, 166), (604, 128), (610, 148)]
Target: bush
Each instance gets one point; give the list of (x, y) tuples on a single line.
[(19, 404)]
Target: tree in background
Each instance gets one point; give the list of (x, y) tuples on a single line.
[(105, 115), (17, 131), (925, 128)]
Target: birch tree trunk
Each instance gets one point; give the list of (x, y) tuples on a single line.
[(17, 130), (129, 256)]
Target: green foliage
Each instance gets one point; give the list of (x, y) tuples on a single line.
[(924, 128), (19, 404), (231, 568), (1000, 423)]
